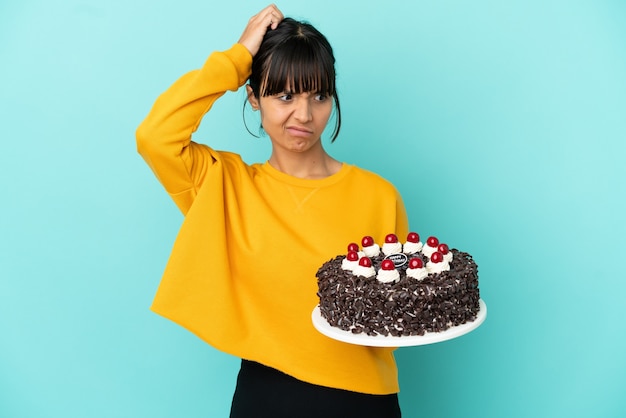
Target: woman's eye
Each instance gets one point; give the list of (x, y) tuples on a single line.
[(288, 97)]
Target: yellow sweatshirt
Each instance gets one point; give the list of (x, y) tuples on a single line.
[(241, 275)]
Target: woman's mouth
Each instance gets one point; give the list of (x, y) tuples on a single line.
[(299, 131)]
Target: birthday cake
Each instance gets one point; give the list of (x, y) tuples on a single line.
[(398, 289)]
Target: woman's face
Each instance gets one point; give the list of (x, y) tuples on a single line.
[(294, 121)]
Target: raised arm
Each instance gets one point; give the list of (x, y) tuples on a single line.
[(164, 137)]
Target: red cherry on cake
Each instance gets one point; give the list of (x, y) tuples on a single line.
[(416, 263), (352, 256), (367, 241), (443, 249), (413, 237), (437, 257), (365, 262), (432, 242), (353, 246), (391, 238), (387, 265)]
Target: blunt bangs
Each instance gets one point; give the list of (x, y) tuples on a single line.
[(296, 66)]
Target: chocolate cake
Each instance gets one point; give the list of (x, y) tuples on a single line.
[(439, 292)]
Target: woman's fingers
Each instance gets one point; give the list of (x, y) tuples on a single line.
[(276, 16), (258, 25)]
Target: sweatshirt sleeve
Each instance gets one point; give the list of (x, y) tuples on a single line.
[(402, 221), (164, 137)]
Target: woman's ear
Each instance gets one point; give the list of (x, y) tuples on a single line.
[(254, 102)]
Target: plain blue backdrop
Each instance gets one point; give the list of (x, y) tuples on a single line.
[(502, 124)]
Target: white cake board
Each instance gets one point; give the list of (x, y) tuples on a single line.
[(335, 333)]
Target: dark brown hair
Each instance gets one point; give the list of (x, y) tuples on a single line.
[(298, 56)]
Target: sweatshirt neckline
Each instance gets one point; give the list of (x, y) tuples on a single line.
[(296, 181)]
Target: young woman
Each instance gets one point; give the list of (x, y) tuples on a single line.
[(241, 275)]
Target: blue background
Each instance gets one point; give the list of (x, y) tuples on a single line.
[(502, 124)]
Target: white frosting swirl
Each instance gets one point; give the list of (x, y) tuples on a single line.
[(447, 257), (437, 267), (360, 270), (388, 276), (412, 247), (427, 250), (349, 265), (371, 251), (392, 248), (417, 274)]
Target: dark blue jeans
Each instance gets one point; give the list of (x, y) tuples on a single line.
[(266, 392)]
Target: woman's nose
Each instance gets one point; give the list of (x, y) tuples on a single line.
[(303, 110)]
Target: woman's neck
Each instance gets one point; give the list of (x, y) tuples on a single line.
[(304, 165)]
